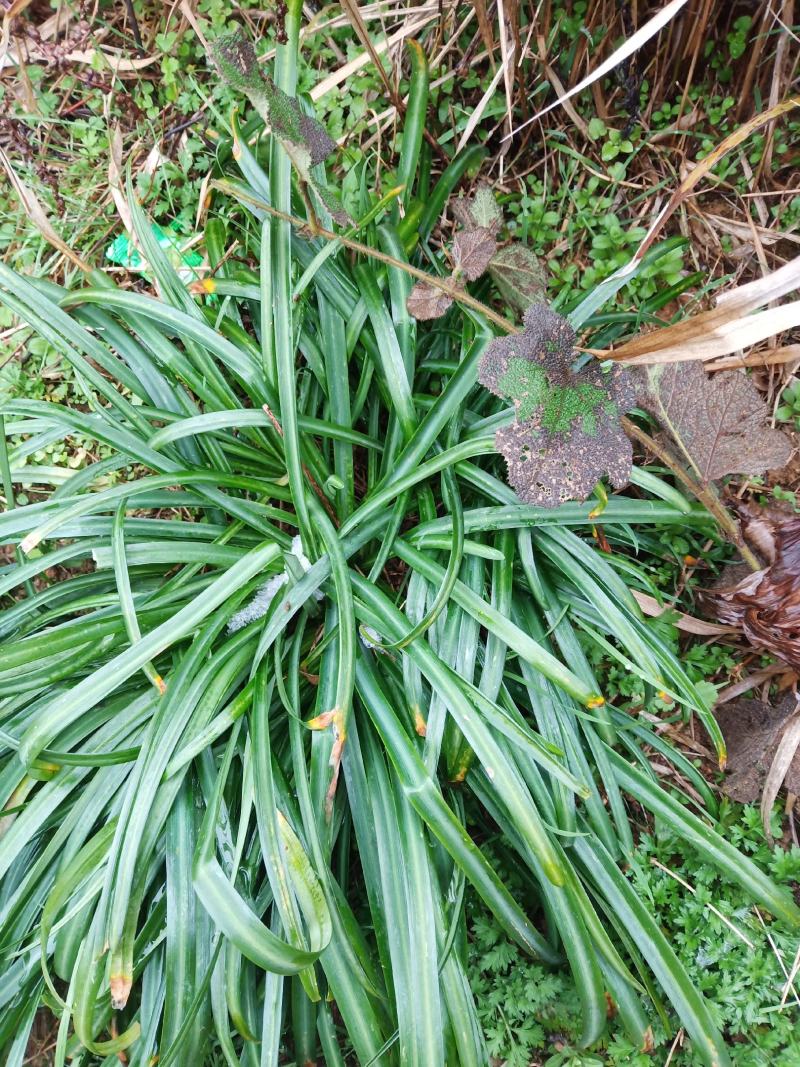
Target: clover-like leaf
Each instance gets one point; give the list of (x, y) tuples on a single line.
[(567, 434), (472, 252), (427, 302), (518, 275)]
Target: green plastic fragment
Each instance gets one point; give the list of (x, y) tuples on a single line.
[(123, 252)]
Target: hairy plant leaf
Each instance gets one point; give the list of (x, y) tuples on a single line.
[(473, 251), (481, 210), (766, 604), (719, 423), (518, 275), (304, 140), (567, 434), (426, 302)]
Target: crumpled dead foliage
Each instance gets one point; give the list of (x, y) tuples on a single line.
[(473, 251), (426, 302), (766, 603), (727, 328)]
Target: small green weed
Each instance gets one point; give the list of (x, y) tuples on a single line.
[(530, 1014), (789, 410)]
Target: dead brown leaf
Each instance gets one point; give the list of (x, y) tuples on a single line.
[(770, 357), (720, 423), (762, 750), (688, 623), (473, 251), (766, 603), (426, 302), (729, 327)]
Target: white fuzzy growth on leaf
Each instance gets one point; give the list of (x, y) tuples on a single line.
[(370, 637), (259, 605), (299, 554)]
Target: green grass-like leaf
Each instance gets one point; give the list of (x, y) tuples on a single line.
[(292, 803)]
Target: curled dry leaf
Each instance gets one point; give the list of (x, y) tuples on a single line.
[(766, 603), (567, 434), (472, 252), (688, 623), (720, 423), (426, 302), (115, 183), (518, 275), (729, 327), (35, 212)]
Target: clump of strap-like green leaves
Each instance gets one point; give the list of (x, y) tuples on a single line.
[(235, 765)]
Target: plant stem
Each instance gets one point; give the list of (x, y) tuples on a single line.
[(705, 494), (444, 284)]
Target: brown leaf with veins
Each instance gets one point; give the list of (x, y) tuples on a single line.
[(426, 302), (472, 252), (720, 423), (766, 604)]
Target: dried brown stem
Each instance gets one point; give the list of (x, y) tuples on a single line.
[(705, 494), (460, 296)]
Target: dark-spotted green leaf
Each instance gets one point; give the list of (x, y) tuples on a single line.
[(567, 433)]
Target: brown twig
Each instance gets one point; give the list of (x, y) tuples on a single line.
[(444, 284)]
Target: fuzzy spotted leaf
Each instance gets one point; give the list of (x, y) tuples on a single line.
[(567, 433), (480, 211), (304, 139), (518, 275), (472, 252), (719, 422), (426, 302)]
